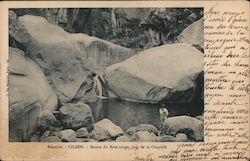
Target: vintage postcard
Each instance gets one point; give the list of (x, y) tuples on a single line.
[(125, 80)]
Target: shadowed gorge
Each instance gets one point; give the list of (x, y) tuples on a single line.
[(108, 74)]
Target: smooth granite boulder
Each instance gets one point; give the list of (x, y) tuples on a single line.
[(29, 95)]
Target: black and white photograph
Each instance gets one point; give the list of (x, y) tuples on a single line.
[(106, 75)]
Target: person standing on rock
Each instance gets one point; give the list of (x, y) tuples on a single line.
[(163, 113)]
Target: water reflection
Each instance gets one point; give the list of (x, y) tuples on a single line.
[(127, 114)]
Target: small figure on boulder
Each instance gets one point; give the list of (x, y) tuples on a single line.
[(163, 113)]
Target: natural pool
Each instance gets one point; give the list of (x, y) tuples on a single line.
[(127, 114)]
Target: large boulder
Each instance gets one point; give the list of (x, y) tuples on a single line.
[(192, 127), (165, 73), (47, 121), (57, 16), (82, 133), (67, 135), (57, 54), (100, 134), (193, 34), (181, 137), (122, 139), (102, 53), (67, 60), (106, 129), (165, 138), (144, 136), (147, 127), (75, 116), (29, 94)]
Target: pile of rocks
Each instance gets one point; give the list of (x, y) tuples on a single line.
[(75, 123)]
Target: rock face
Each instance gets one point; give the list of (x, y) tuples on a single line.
[(158, 74), (193, 34), (75, 116), (29, 94), (119, 25), (192, 127), (59, 56), (102, 53), (131, 14), (49, 46), (67, 60)]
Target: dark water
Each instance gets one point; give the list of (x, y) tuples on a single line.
[(127, 114)]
